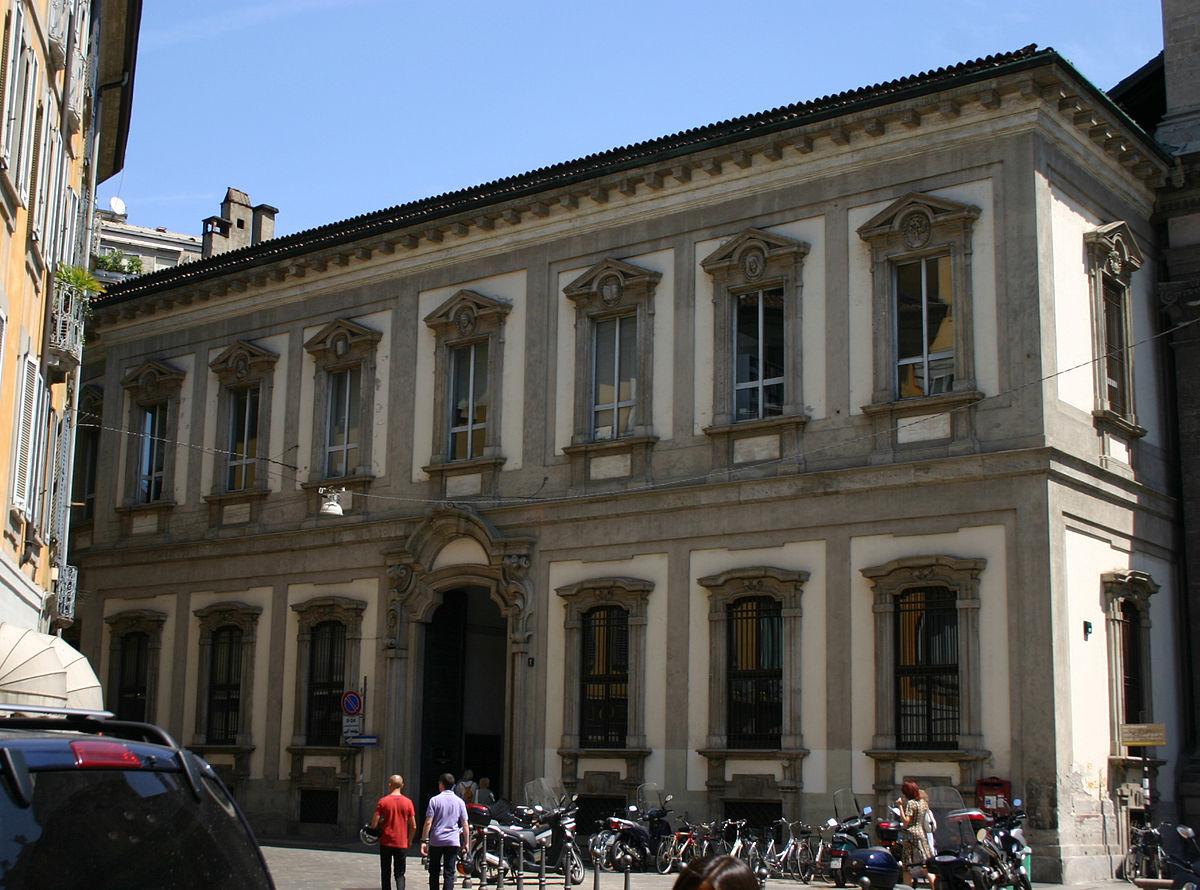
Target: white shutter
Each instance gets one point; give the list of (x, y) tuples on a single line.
[(26, 147), (3, 334), (44, 166), (42, 450), (26, 409), (61, 499), (12, 82)]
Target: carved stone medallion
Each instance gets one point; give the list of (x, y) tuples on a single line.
[(611, 291), (241, 367), (915, 228), (754, 263), (464, 319), (1115, 264)]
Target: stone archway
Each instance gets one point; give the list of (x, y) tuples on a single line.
[(417, 589)]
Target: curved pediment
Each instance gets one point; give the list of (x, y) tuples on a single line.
[(464, 312), (915, 217), (1114, 247), (753, 251), (610, 280), (242, 361)]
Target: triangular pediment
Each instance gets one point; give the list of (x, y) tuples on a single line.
[(242, 357), (152, 376), (341, 332), (753, 241), (918, 211), (465, 308), (627, 275), (1117, 244)]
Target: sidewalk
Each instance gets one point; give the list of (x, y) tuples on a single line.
[(353, 867)]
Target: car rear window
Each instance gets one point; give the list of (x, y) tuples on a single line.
[(127, 829)]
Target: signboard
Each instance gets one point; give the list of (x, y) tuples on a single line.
[(1143, 735), (352, 726), (352, 703), (363, 741)]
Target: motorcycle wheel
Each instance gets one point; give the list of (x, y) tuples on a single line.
[(806, 865), (839, 875), (665, 855), (979, 879), (1023, 882), (574, 867), (486, 873)]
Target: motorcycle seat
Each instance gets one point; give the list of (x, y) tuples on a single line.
[(517, 833)]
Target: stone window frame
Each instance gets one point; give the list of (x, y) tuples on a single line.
[(755, 260), (151, 383), (211, 619), (466, 318), (1113, 255), (786, 586), (309, 614), (888, 582), (339, 346), (1119, 588), (632, 595), (147, 621), (243, 366), (610, 289)]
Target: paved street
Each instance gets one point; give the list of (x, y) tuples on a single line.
[(306, 869)]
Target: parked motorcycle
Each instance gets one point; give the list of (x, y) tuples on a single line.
[(625, 835), (552, 807), (1185, 866), (852, 859), (962, 861)]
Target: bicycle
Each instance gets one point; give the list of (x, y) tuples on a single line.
[(1145, 856), (683, 846)]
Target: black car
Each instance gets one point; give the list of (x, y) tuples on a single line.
[(87, 801)]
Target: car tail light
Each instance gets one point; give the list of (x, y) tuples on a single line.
[(101, 754)]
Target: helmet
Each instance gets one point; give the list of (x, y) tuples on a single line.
[(369, 835)]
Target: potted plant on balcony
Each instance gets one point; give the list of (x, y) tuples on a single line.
[(79, 278), (73, 289)]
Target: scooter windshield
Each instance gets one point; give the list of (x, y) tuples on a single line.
[(650, 797), (944, 800), (546, 793), (845, 805)]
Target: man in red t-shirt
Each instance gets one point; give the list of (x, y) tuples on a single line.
[(397, 821)]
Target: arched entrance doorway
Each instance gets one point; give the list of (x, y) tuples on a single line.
[(464, 696)]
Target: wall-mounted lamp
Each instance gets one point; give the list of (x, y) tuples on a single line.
[(1087, 630), (331, 501)]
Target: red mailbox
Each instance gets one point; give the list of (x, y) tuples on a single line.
[(993, 795)]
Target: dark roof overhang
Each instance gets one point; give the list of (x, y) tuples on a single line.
[(119, 23)]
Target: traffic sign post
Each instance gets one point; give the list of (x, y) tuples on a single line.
[(363, 741), (352, 727), (352, 703), (1143, 735)]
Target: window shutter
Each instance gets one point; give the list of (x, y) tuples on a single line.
[(11, 75), (61, 502), (28, 138), (37, 177), (26, 407), (3, 334)]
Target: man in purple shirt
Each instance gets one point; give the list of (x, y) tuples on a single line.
[(445, 830)]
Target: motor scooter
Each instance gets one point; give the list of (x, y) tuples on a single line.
[(1185, 866), (852, 860)]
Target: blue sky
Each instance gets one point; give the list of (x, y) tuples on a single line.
[(331, 108)]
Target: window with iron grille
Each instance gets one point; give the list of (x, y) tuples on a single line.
[(131, 692), (755, 674), (604, 680), (224, 686), (326, 679), (927, 690)]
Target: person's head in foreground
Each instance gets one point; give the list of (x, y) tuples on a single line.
[(716, 873)]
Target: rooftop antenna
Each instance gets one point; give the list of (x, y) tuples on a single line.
[(116, 205)]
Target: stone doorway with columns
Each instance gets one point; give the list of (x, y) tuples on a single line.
[(455, 575)]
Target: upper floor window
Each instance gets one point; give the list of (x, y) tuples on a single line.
[(924, 327), (604, 678), (614, 377), (755, 673), (759, 354), (1113, 257), (344, 352), (152, 448), (245, 373), (154, 390), (926, 668), (920, 253), (469, 397), (468, 366), (343, 425), (757, 286)]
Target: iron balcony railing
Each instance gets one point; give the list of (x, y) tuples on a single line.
[(65, 589), (66, 324)]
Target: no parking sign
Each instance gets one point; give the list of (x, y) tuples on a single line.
[(352, 703)]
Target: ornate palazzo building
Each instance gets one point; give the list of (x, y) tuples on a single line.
[(816, 449)]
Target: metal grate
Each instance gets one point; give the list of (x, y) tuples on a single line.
[(604, 685), (755, 675), (319, 806), (927, 695), (65, 589), (224, 686), (326, 667)]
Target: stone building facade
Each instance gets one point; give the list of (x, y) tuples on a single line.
[(816, 449)]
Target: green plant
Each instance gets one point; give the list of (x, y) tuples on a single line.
[(79, 278)]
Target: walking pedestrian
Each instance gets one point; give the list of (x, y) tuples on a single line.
[(396, 820), (446, 832), (484, 795), (466, 786)]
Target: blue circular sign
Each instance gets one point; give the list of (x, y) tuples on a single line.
[(352, 703)]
